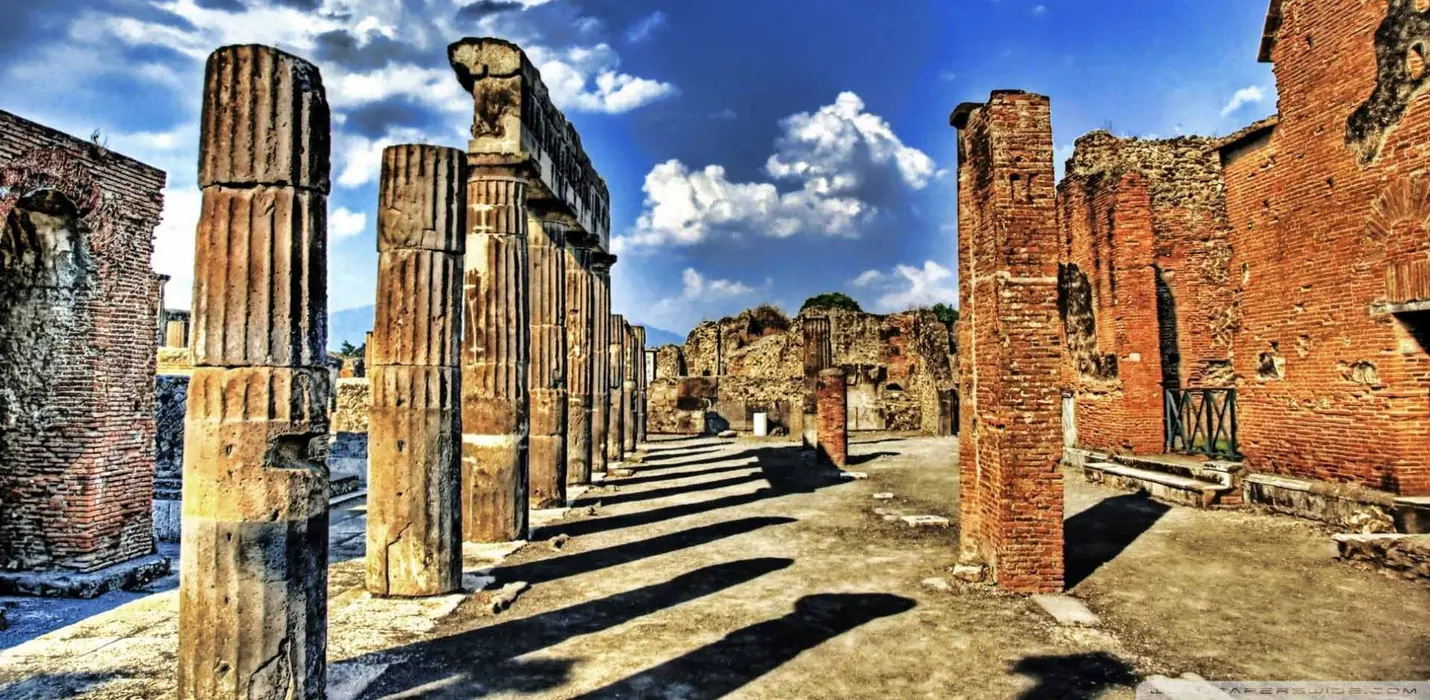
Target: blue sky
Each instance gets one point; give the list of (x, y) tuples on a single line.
[(756, 150)]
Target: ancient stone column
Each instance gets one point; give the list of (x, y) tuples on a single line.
[(600, 360), (496, 347), (628, 388), (832, 417), (818, 356), (641, 381), (414, 516), (547, 245), (615, 435), (253, 583), (579, 367), (176, 334)]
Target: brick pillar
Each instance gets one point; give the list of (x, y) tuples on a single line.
[(414, 517), (818, 356), (639, 404), (253, 584), (1011, 505), (832, 417), (548, 363), (616, 430), (600, 360), (496, 347), (628, 388), (579, 366), (176, 334)]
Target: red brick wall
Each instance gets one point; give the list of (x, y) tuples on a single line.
[(1108, 300), (1330, 386), (1011, 491), (77, 414)]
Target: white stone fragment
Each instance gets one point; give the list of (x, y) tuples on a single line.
[(1067, 610)]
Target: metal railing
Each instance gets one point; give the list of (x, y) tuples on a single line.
[(1200, 420)]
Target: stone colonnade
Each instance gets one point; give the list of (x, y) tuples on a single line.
[(615, 412)]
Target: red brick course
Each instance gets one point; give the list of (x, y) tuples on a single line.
[(77, 417)]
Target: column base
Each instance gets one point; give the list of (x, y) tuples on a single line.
[(134, 573)]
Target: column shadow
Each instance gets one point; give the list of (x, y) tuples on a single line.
[(610, 499), (663, 456), (671, 476), (1099, 534), (744, 655), (1074, 677), (719, 459), (855, 460), (544, 570), (484, 661)]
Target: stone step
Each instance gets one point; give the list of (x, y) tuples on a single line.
[(1171, 488)]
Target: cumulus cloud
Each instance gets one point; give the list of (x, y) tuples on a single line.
[(699, 297), (642, 30), (840, 166), (345, 223), (907, 287), (1248, 95)]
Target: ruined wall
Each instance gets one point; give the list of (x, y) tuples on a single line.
[(897, 366), (1107, 298), (78, 311), (1333, 383), (669, 362)]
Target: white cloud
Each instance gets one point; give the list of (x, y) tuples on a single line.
[(345, 223), (362, 157), (907, 287), (845, 163), (586, 79), (1248, 95), (699, 297), (1040, 9), (642, 30), (695, 286)]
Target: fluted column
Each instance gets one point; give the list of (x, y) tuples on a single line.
[(253, 582), (818, 356), (616, 350), (547, 246), (641, 382), (600, 361), (628, 388), (496, 353), (414, 516), (579, 367)]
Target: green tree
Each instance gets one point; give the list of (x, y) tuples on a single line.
[(831, 300), (946, 313), (350, 350)]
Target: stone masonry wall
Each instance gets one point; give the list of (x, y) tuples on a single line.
[(1325, 214), (77, 334)]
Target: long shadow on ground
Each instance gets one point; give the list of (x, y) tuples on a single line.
[(1074, 677), (544, 570), (671, 476), (484, 660), (785, 468), (1097, 535), (610, 499), (718, 669)]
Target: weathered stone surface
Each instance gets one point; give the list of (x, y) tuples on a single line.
[(832, 417), (616, 412), (631, 358), (253, 589), (547, 245), (240, 316), (516, 125), (580, 367), (642, 362), (354, 400), (600, 359), (414, 322), (1407, 556), (176, 334), (420, 199), (496, 352), (1011, 508), (270, 125), (414, 518)]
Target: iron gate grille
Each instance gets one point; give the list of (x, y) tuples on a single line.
[(1200, 420)]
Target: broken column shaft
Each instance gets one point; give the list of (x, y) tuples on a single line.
[(831, 396), (628, 389), (818, 356), (579, 367), (547, 246), (600, 361), (253, 583), (414, 518), (616, 430)]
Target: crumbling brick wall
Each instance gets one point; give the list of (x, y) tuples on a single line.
[(1334, 383), (669, 362), (78, 310)]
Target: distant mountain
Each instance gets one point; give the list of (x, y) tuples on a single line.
[(352, 325)]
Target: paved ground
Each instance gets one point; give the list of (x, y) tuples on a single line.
[(737, 568)]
